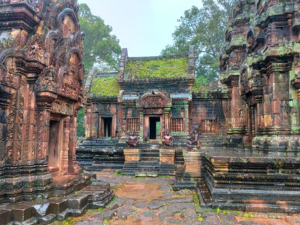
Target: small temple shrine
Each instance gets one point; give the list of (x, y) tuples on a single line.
[(149, 95)]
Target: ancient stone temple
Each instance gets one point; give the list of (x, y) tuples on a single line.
[(249, 122), (41, 91), (148, 95)]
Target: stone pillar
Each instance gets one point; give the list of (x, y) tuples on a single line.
[(260, 114), (94, 121), (87, 123), (167, 118), (65, 149), (141, 133), (186, 116), (4, 113), (44, 100), (74, 167), (280, 97), (238, 112)]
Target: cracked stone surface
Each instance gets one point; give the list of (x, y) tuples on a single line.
[(148, 201)]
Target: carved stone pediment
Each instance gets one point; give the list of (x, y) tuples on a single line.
[(154, 99)]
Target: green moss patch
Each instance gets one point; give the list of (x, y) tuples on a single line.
[(198, 86), (105, 86), (157, 68)]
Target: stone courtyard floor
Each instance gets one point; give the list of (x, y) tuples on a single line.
[(152, 201)]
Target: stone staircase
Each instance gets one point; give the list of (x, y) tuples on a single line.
[(149, 163), (99, 154), (69, 204)]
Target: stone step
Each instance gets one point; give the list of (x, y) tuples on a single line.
[(45, 211), (150, 155), (150, 159)]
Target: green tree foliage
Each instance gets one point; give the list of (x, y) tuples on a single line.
[(80, 122), (100, 46), (204, 28)]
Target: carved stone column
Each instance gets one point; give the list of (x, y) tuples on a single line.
[(87, 123), (167, 118), (4, 102), (94, 121), (186, 116), (279, 84), (65, 150), (141, 133), (238, 112), (74, 167), (44, 101)]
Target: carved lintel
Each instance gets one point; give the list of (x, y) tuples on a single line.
[(45, 99)]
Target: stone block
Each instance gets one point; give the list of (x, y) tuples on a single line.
[(167, 155), (132, 154)]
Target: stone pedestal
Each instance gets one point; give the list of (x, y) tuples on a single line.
[(132, 157), (167, 157), (192, 170), (132, 154)]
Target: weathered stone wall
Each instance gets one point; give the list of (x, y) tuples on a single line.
[(211, 110), (41, 82), (259, 65)]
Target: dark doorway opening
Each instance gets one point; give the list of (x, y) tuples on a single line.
[(106, 126), (54, 146), (153, 121)]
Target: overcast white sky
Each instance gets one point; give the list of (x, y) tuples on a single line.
[(144, 27)]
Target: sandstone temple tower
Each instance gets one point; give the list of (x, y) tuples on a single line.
[(41, 92)]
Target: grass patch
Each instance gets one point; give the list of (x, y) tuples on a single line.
[(106, 86), (200, 218), (161, 67), (197, 202), (105, 221), (69, 221)]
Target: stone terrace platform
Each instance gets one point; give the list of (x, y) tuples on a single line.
[(151, 201), (249, 181), (72, 196)]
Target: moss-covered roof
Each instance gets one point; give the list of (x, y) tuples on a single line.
[(105, 86), (157, 67)]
